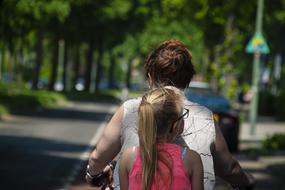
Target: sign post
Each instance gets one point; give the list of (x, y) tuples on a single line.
[(257, 45)]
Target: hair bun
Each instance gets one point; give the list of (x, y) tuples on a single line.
[(170, 64)]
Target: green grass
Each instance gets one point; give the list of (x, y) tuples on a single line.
[(274, 143), (17, 98), (133, 94), (104, 96), (28, 100), (3, 111)]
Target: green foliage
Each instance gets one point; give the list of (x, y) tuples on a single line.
[(232, 91), (172, 8), (267, 103), (102, 96), (219, 30), (159, 29), (42, 10), (31, 100), (274, 142), (15, 97), (280, 103), (3, 111), (20, 17), (117, 9), (46, 98)]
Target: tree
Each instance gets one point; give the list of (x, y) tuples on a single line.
[(22, 17)]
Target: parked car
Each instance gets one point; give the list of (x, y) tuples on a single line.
[(227, 119)]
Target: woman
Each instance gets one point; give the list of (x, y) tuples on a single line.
[(158, 163), (170, 64)]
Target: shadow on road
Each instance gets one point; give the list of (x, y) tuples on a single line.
[(278, 169), (36, 163), (267, 169)]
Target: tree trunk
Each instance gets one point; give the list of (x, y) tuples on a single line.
[(111, 72), (88, 71), (205, 65), (76, 67), (65, 68), (2, 60), (54, 63), (129, 72), (68, 67), (39, 59), (99, 67)]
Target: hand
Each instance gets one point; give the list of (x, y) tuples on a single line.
[(252, 181), (104, 178), (108, 171), (99, 179)]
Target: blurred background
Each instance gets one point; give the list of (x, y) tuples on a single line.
[(65, 63), (92, 46)]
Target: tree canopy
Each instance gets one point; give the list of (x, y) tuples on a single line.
[(72, 37)]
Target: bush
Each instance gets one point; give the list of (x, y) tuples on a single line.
[(275, 142), (280, 104), (102, 96), (266, 105), (3, 111), (46, 98), (30, 100)]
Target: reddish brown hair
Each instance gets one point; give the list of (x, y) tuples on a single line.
[(170, 64)]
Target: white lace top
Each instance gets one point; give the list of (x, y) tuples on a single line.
[(199, 135)]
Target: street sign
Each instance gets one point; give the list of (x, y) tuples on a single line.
[(257, 44)]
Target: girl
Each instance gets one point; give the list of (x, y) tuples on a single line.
[(158, 163)]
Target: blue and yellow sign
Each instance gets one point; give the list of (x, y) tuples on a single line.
[(257, 44)]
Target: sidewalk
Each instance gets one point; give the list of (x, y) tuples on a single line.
[(268, 170), (265, 127)]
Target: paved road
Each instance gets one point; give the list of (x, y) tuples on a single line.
[(268, 170), (39, 152)]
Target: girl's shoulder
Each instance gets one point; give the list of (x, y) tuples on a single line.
[(192, 158), (193, 154), (128, 153)]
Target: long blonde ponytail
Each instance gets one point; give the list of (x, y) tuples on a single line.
[(147, 133), (157, 111)]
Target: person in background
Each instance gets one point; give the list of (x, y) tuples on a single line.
[(170, 64), (158, 163)]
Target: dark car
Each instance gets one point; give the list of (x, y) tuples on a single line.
[(227, 119)]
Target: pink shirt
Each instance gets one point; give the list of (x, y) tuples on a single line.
[(180, 180)]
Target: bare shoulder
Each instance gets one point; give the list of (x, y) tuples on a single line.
[(192, 160), (127, 158), (192, 156), (127, 154)]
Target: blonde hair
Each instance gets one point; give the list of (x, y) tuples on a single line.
[(158, 110)]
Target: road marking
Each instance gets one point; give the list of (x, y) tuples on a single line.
[(84, 156)]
